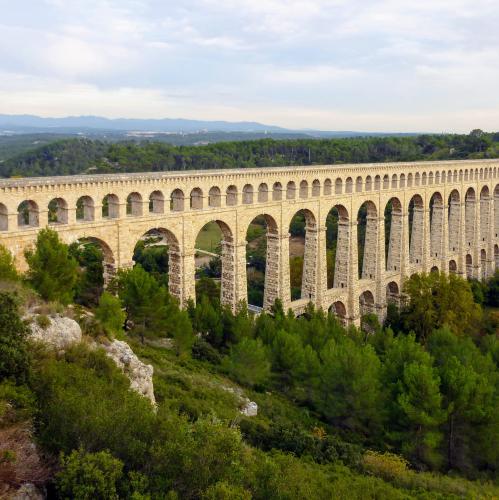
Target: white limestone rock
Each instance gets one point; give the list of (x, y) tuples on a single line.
[(28, 491), (139, 373), (61, 333), (250, 408)]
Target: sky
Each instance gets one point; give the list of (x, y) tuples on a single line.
[(384, 65)]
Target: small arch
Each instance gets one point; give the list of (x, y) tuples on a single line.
[(460, 175), (339, 310), (369, 183), (231, 196), (348, 185), (392, 293), (409, 180), (85, 209), (434, 269), (57, 211), (4, 218), (156, 203), (469, 266), (443, 175), (402, 181), (303, 189), (386, 181), (394, 181), (452, 266), (177, 201), (430, 178), (263, 193), (316, 188), (366, 303), (358, 184), (455, 176), (290, 190), (437, 178), (277, 191), (247, 194), (134, 204), (417, 179), (328, 185), (196, 198), (377, 183), (423, 179), (110, 207), (338, 186), (214, 197), (466, 175)]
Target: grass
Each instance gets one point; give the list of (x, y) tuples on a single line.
[(209, 238)]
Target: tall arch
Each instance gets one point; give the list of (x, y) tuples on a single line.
[(337, 247), (348, 185), (367, 240), (496, 211), (452, 266), (469, 216), (340, 312), (484, 213), (393, 235), (327, 187), (483, 263), (358, 184), (338, 186), (436, 225), (454, 220), (469, 266), (108, 259), (392, 293), (369, 183), (416, 230)]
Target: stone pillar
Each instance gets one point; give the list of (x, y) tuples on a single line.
[(394, 260), (444, 266), (426, 244), (380, 292), (343, 255), (487, 235), (272, 270), (71, 215), (97, 212), (12, 221), (188, 274), (241, 282), (284, 277), (321, 267), (370, 248), (310, 258), (454, 226), (353, 313), (175, 268), (43, 218), (417, 237), (404, 259), (228, 280), (436, 230), (463, 245), (476, 246)]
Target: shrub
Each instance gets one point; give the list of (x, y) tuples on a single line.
[(43, 321), (8, 270), (110, 314)]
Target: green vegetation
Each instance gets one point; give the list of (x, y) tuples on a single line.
[(73, 156), (407, 411)]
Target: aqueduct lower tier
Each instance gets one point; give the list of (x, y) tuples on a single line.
[(444, 215)]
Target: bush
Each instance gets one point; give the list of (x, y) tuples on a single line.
[(8, 270), (205, 351), (111, 315), (43, 321)]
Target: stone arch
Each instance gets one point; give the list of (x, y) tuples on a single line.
[(110, 207), (328, 186), (196, 198), (367, 235), (423, 179), (337, 247), (402, 181), (455, 176), (85, 209), (430, 178), (28, 214), (214, 197), (58, 211), (290, 190), (394, 181), (466, 175), (157, 202), (496, 211), (177, 201), (339, 310), (469, 216), (409, 180), (460, 175), (484, 213), (454, 220), (231, 196), (437, 177), (338, 186), (483, 263), (369, 183), (417, 179), (358, 184), (392, 293), (393, 235), (436, 225), (277, 191), (316, 188), (304, 189), (434, 269), (496, 255), (247, 194), (469, 266), (270, 268), (481, 174), (366, 303), (416, 229), (4, 218), (443, 176), (348, 185), (386, 181), (377, 183), (134, 204), (108, 259), (452, 266), (263, 193)]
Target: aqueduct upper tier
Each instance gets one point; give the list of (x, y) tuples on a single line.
[(443, 215)]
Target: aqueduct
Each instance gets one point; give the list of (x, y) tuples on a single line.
[(443, 215)]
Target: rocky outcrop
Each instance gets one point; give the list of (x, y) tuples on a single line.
[(28, 491), (247, 407), (139, 373), (60, 332)]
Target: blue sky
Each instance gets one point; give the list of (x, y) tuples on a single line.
[(385, 65)]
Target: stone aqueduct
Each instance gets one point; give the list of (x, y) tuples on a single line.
[(445, 215)]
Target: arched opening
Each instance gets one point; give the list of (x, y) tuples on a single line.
[(469, 217), (369, 183), (416, 230), (417, 179), (263, 193), (340, 312), (4, 218), (28, 214), (452, 266), (134, 204), (277, 191), (430, 178), (196, 199), (496, 255), (483, 263), (247, 194), (402, 180), (496, 211), (316, 188), (377, 183), (57, 211), (358, 185), (394, 181), (393, 235), (85, 210), (437, 178), (348, 185), (443, 176), (338, 186), (366, 303), (156, 202), (392, 293), (423, 179), (177, 201), (231, 196), (484, 213), (367, 235), (263, 259), (214, 197), (303, 255), (290, 190), (454, 218), (337, 247), (303, 189), (328, 186), (436, 225), (434, 269), (469, 266), (386, 181), (409, 180), (214, 260), (110, 207), (158, 252)]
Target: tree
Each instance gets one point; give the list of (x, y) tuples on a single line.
[(110, 314), (91, 278), (52, 271), (14, 355), (8, 270), (181, 330)]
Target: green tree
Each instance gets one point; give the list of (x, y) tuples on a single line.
[(91, 277), (181, 330), (110, 314), (52, 271), (8, 270)]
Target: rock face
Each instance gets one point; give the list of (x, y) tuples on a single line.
[(28, 491), (61, 333), (250, 408), (139, 373)]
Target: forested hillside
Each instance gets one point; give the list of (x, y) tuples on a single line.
[(73, 156)]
